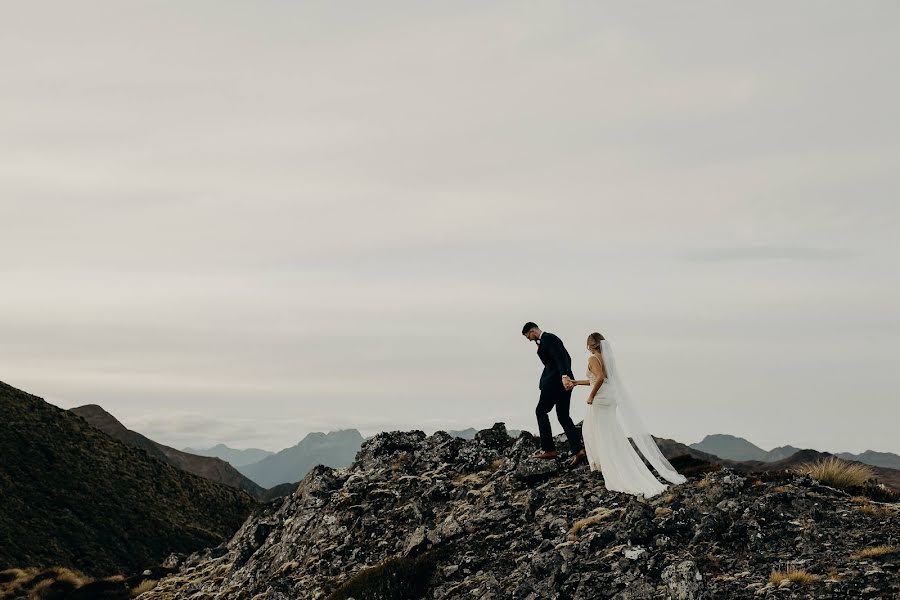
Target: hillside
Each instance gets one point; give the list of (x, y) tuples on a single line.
[(212, 468), (73, 496), (335, 449), (441, 517)]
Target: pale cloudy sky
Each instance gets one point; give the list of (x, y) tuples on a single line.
[(240, 222)]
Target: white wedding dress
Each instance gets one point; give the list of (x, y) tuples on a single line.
[(609, 422)]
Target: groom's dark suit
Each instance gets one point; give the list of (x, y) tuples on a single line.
[(557, 363)]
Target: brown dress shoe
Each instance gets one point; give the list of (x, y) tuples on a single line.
[(580, 456), (545, 455)]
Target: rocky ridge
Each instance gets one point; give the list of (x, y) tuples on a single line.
[(442, 517)]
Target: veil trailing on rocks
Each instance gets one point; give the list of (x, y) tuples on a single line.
[(631, 420)]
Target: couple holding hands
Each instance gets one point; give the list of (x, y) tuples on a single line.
[(608, 423)]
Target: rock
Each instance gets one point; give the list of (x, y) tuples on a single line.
[(444, 518), (683, 581), (533, 471)]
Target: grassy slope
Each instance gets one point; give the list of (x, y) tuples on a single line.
[(72, 496)]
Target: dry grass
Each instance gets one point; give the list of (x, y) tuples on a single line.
[(145, 586), (874, 552), (873, 510), (53, 583), (662, 511), (800, 576), (838, 473), (601, 515)]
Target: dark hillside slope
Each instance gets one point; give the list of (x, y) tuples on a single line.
[(72, 496)]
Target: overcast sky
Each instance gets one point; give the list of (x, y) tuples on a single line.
[(240, 222)]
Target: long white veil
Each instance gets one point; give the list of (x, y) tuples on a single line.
[(631, 421)]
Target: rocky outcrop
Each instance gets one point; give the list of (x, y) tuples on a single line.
[(441, 517)]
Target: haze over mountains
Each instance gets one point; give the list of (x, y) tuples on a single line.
[(236, 457), (336, 449)]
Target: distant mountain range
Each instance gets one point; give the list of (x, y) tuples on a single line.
[(738, 449), (212, 468), (72, 495), (236, 457), (336, 449)]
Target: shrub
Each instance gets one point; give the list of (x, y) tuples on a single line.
[(838, 473), (801, 576), (145, 586), (874, 552), (601, 515)]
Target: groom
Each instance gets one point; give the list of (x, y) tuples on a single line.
[(555, 391)]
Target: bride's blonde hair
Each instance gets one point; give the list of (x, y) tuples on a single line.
[(593, 341)]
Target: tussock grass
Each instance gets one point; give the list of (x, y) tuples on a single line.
[(58, 583), (799, 576), (838, 473), (874, 552), (600, 515), (145, 586), (873, 510)]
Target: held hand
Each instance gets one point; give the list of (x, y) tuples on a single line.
[(568, 384)]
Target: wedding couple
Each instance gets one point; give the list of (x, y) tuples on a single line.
[(608, 423)]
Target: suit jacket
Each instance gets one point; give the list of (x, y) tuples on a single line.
[(557, 362)]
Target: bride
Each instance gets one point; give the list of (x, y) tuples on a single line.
[(610, 414)]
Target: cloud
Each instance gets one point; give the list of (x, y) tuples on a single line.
[(768, 253), (239, 224)]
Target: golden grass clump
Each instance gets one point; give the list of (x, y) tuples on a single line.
[(873, 510), (838, 473), (600, 515), (800, 576), (874, 552), (145, 586)]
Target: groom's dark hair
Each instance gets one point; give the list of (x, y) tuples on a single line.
[(528, 327)]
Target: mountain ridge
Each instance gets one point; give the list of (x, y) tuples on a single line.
[(212, 468), (732, 447), (236, 457)]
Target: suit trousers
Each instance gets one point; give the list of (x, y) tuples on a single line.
[(560, 398)]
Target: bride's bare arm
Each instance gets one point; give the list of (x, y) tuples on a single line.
[(596, 367)]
